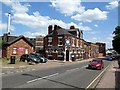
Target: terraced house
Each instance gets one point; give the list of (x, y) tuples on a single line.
[(68, 44)]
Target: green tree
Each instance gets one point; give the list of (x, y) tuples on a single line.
[(116, 39)]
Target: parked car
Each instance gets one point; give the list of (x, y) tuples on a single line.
[(96, 64), (33, 57), (109, 58), (41, 57), (24, 57)]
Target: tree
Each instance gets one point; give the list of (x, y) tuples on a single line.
[(116, 39)]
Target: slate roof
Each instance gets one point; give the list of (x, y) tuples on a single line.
[(60, 32), (17, 39)]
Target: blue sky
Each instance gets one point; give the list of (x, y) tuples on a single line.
[(97, 19)]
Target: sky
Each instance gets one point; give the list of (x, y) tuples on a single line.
[(97, 19)]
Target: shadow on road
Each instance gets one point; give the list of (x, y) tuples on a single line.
[(117, 79)]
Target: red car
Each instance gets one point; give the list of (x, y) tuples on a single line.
[(96, 64)]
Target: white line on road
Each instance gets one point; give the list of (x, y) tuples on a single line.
[(42, 78), (76, 68), (72, 69)]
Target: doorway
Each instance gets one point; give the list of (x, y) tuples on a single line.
[(67, 55)]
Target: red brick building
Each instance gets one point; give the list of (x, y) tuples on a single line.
[(67, 44), (20, 45), (102, 48)]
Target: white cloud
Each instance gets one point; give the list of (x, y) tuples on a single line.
[(36, 21), (107, 41), (68, 7), (93, 32), (94, 38), (3, 27), (96, 25), (85, 28), (112, 5), (31, 34), (16, 6), (74, 7), (90, 15)]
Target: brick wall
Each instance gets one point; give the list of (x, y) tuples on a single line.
[(19, 44)]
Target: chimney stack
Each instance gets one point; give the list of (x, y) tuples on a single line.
[(72, 27), (57, 27), (8, 27), (49, 29)]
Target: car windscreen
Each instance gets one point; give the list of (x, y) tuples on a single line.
[(96, 61)]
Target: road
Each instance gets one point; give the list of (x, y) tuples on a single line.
[(68, 76)]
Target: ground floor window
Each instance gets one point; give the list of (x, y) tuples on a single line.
[(14, 51), (26, 50)]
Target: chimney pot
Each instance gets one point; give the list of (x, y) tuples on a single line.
[(49, 29), (72, 27)]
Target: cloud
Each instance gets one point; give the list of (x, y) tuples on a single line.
[(16, 6), (112, 5), (77, 11), (85, 28), (107, 40), (31, 34), (96, 25), (3, 27), (68, 7), (91, 15), (36, 21)]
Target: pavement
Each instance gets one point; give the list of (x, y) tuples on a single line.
[(111, 78), (50, 63)]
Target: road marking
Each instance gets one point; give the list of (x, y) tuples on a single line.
[(84, 66), (72, 69), (42, 78), (97, 77), (33, 69), (8, 67), (76, 68)]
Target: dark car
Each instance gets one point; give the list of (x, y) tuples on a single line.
[(96, 64), (109, 58), (33, 58), (24, 57), (30, 58), (41, 57)]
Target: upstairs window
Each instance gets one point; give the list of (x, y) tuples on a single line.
[(73, 43), (59, 40), (50, 41)]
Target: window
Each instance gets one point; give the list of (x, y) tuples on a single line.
[(59, 40), (80, 43), (49, 40), (26, 51), (76, 42), (73, 43), (14, 50)]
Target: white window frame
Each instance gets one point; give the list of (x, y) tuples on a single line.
[(76, 42), (26, 50), (49, 41), (59, 41), (14, 51), (73, 41)]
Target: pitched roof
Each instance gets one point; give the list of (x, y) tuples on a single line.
[(60, 32), (17, 39)]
